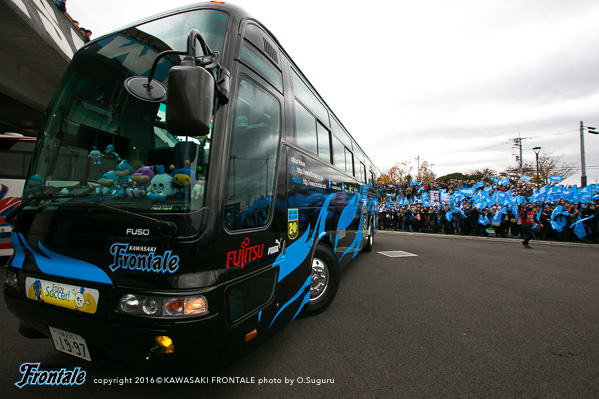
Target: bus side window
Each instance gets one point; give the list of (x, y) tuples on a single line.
[(324, 142), (309, 99), (338, 153), (349, 162), (363, 170), (305, 128), (251, 176)]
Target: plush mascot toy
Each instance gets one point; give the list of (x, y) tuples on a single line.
[(162, 185)]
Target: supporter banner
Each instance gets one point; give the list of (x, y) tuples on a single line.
[(434, 198), (445, 198)]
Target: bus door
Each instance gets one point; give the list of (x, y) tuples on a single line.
[(262, 291)]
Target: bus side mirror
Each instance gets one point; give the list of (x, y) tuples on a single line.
[(190, 101)]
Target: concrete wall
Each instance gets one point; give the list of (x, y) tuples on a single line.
[(37, 42)]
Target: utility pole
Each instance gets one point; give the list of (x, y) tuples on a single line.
[(583, 166), (518, 143)]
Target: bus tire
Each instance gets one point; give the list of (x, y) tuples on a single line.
[(369, 241), (325, 281)]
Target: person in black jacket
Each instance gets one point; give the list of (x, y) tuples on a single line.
[(591, 224)]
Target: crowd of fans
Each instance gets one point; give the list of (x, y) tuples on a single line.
[(410, 207), (86, 33)]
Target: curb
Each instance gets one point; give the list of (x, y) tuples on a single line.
[(517, 240)]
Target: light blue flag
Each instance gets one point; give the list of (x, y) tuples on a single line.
[(534, 226), (498, 215), (495, 180), (449, 216), (510, 200), (575, 196), (504, 182), (579, 221), (538, 197), (468, 192), (515, 210), (579, 229), (462, 214), (477, 197), (567, 195), (494, 199), (555, 194), (526, 178), (501, 197), (479, 184), (557, 211), (557, 226), (585, 194), (555, 178), (483, 220)]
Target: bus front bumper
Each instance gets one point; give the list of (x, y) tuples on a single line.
[(195, 341)]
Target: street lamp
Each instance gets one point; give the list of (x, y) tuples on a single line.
[(537, 150)]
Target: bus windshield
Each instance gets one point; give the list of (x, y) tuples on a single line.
[(102, 144)]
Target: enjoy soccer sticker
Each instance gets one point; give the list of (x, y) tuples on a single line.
[(64, 295)]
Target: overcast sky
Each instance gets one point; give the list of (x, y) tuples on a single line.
[(450, 82)]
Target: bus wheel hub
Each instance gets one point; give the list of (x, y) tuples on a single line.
[(320, 279)]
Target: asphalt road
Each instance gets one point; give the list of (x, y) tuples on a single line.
[(464, 318)]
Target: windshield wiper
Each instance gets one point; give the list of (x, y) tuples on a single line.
[(13, 215), (166, 227)]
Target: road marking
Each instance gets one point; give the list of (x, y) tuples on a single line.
[(396, 254)]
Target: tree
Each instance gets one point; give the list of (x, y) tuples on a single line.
[(426, 172), (483, 174), (514, 172), (396, 174), (549, 165), (453, 176)]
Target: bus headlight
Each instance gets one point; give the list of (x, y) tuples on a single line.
[(150, 306), (196, 305), (129, 303), (142, 305), (173, 307), (11, 279)]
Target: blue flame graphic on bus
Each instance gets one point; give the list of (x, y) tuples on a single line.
[(55, 264), (297, 252)]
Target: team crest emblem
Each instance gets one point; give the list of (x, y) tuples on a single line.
[(292, 227)]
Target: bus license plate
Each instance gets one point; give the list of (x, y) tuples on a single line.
[(70, 343)]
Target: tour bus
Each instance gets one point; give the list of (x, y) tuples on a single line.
[(195, 194), (15, 155)]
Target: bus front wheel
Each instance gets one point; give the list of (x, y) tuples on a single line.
[(325, 281)]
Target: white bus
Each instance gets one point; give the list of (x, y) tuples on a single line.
[(15, 156)]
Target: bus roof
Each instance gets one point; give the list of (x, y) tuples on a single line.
[(239, 14)]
